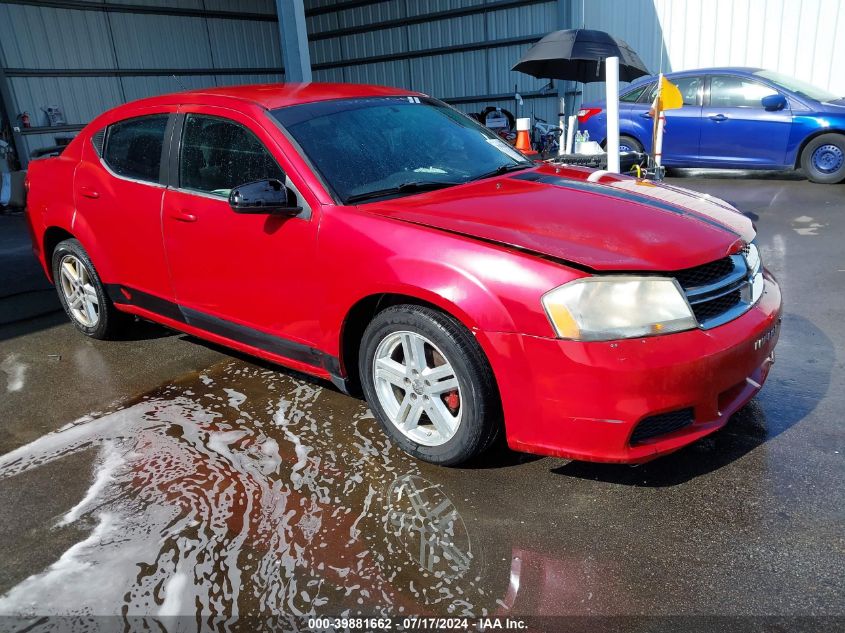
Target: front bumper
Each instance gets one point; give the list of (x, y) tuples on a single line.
[(583, 400)]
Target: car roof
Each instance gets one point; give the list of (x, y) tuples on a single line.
[(278, 95), (742, 70)]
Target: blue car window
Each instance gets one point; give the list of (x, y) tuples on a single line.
[(727, 91), (633, 96), (689, 87)]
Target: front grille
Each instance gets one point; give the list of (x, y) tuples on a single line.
[(707, 310), (661, 424), (716, 291), (706, 274)]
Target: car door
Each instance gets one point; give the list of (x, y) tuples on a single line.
[(682, 132), (737, 130), (246, 277), (118, 190)]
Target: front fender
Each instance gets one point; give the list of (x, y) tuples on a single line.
[(487, 287)]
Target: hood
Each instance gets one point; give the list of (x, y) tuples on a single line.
[(593, 219), (836, 106)]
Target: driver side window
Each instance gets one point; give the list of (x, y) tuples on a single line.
[(737, 92), (218, 155)]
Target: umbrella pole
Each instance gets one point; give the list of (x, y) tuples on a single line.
[(561, 142), (611, 79)]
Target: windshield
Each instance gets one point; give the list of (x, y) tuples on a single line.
[(801, 88), (388, 146)]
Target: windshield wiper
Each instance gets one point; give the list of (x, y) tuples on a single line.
[(412, 186), (501, 170)]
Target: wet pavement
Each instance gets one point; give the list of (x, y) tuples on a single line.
[(162, 476)]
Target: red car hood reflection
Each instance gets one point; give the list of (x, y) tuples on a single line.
[(593, 219)]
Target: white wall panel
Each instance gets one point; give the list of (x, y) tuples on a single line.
[(802, 38)]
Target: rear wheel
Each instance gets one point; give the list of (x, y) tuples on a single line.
[(823, 159), (429, 384), (82, 294)]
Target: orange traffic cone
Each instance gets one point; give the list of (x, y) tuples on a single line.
[(523, 137)]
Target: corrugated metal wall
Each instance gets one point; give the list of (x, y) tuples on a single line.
[(797, 37), (86, 59), (457, 50)]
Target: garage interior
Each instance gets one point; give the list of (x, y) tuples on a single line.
[(85, 57), (742, 529)]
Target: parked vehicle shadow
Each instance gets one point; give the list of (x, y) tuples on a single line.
[(143, 330), (735, 174), (798, 382)]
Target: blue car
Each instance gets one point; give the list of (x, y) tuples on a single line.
[(736, 118)]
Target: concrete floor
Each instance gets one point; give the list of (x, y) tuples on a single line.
[(158, 475)]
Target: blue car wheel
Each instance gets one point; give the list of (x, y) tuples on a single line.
[(629, 144), (823, 159), (828, 158)]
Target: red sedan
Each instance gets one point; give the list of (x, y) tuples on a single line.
[(382, 240)]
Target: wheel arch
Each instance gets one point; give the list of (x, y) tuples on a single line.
[(621, 134), (52, 237), (366, 308), (809, 138)]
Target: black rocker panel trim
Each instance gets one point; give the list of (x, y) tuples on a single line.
[(292, 350)]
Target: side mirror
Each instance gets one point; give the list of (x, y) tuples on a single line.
[(774, 102), (264, 197)]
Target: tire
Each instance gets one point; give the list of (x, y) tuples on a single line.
[(823, 159), (108, 321), (631, 142), (470, 416)]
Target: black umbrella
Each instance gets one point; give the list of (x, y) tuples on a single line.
[(577, 55)]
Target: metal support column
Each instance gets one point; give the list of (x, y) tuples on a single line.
[(294, 36)]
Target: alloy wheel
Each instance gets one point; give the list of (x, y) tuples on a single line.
[(79, 291), (417, 387)]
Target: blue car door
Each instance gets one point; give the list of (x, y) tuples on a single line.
[(683, 126), (737, 131)]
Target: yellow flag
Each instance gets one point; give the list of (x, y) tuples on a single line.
[(670, 96)]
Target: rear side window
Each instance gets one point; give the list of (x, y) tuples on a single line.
[(218, 155), (133, 147), (631, 97), (689, 87), (647, 95)]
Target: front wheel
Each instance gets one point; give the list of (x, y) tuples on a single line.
[(629, 144), (429, 384), (823, 159)]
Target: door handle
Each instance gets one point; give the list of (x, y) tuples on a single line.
[(183, 216), (718, 117), (89, 193), (645, 115)]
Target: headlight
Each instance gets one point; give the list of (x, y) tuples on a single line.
[(606, 308)]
